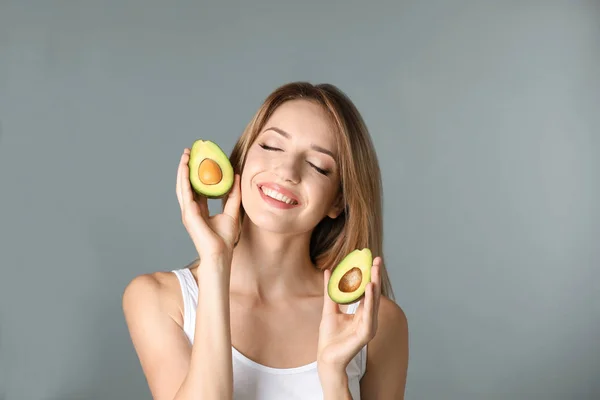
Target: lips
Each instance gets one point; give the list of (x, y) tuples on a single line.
[(278, 188)]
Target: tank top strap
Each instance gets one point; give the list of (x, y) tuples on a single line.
[(189, 292), (353, 307)]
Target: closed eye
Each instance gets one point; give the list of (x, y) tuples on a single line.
[(269, 148), (319, 170)]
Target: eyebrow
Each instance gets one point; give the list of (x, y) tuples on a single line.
[(313, 146)]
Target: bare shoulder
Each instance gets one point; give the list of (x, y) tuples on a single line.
[(390, 344), (392, 321), (387, 354), (156, 291), (152, 306)]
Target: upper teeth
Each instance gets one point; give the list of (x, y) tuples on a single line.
[(276, 195)]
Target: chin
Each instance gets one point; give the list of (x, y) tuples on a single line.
[(275, 221), (272, 225), (270, 222)]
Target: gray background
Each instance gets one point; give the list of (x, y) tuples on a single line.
[(485, 116)]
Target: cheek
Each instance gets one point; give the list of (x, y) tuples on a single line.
[(255, 159), (254, 165), (321, 193)]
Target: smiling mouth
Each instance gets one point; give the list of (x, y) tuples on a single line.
[(277, 196)]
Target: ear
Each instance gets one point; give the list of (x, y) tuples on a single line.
[(337, 207)]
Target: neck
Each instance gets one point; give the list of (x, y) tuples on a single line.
[(272, 266)]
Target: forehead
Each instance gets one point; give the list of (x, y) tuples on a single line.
[(304, 119)]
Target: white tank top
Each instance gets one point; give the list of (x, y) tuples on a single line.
[(254, 381)]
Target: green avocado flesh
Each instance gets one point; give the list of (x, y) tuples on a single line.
[(211, 173), (350, 277)]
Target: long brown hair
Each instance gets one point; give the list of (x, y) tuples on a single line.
[(360, 224)]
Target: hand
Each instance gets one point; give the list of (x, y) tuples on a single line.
[(341, 335), (213, 236)]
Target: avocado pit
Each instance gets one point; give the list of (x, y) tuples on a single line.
[(351, 280), (209, 172)]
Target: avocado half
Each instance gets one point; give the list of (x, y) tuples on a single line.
[(211, 173), (350, 277)]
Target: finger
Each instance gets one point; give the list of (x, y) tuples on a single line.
[(376, 279), (359, 310), (329, 306), (375, 272), (187, 194), (367, 313), (185, 173), (182, 165), (232, 205), (202, 203)]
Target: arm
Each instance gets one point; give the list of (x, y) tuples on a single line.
[(387, 356), (211, 370), (335, 386), (174, 369)]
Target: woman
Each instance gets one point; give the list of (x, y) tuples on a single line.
[(251, 318)]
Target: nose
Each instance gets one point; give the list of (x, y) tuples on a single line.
[(289, 170)]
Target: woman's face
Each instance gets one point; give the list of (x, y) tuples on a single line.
[(290, 179)]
